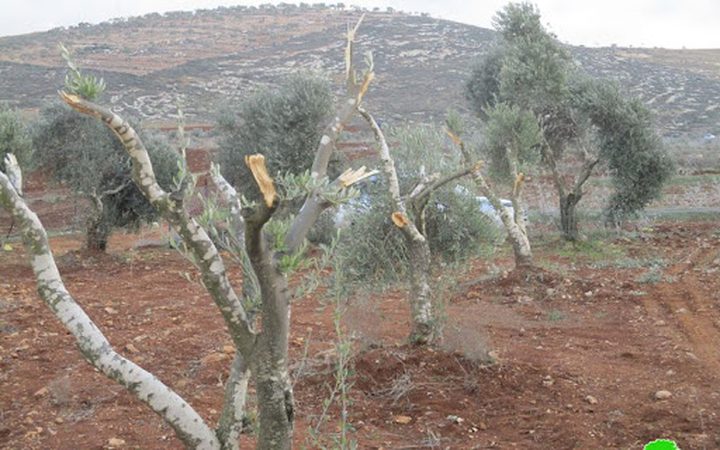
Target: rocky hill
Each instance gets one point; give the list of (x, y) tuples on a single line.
[(155, 63)]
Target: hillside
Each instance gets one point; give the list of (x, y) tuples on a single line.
[(198, 60)]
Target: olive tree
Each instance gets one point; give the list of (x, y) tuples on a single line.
[(14, 139), (510, 145), (261, 343), (409, 204), (14, 136), (284, 122), (530, 70), (85, 156)]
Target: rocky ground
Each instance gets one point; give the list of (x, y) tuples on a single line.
[(607, 345)]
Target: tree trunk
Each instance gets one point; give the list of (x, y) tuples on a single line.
[(97, 234), (269, 361), (421, 296), (568, 217), (521, 248), (274, 394)]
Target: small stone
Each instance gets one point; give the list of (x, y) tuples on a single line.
[(663, 395), (670, 372), (41, 392), (59, 420), (115, 442), (681, 311), (660, 323), (592, 400), (589, 293), (213, 357), (524, 300), (110, 310), (402, 420), (455, 419), (131, 348), (228, 349)]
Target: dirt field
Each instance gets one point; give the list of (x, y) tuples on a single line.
[(581, 348)]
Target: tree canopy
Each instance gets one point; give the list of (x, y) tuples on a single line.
[(283, 123), (531, 71)]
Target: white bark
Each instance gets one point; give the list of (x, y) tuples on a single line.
[(514, 223), (314, 205), (186, 422), (421, 298), (12, 168), (201, 247), (231, 418)]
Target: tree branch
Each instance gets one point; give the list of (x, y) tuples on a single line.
[(421, 197), (388, 162), (201, 247), (314, 204), (186, 422), (230, 423), (584, 175), (14, 173)]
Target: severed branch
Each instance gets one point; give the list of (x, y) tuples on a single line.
[(256, 164), (187, 423), (388, 162), (201, 247), (356, 89)]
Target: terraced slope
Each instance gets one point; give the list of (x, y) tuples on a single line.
[(199, 60)]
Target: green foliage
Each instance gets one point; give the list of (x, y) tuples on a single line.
[(483, 87), (284, 124), (638, 164), (528, 67), (83, 154), (421, 151), (323, 231), (512, 135), (456, 229), (519, 21), (14, 138), (86, 86), (532, 71), (374, 249)]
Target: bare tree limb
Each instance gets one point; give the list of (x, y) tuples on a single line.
[(314, 204), (230, 424), (388, 162), (186, 422), (200, 245), (14, 173), (421, 197)]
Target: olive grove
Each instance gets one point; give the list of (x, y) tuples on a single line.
[(584, 123), (261, 341)]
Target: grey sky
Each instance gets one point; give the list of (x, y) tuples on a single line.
[(648, 23)]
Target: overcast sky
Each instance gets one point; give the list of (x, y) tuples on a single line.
[(640, 23)]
